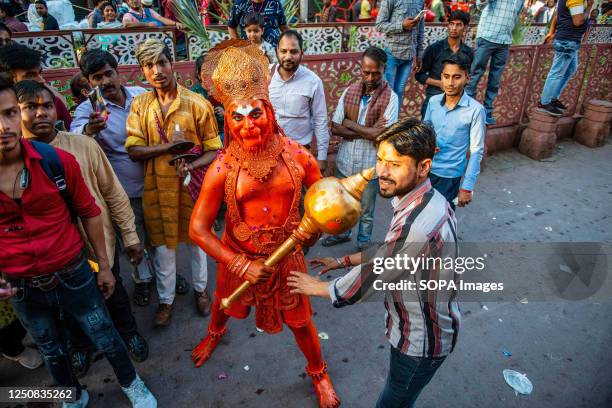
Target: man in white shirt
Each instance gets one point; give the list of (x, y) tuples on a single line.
[(298, 97)]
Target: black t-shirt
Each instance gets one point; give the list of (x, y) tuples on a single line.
[(432, 62), (566, 31), (50, 23)]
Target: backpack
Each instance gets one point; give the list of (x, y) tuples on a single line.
[(53, 167)]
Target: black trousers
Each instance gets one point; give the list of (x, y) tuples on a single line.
[(448, 187), (120, 311)]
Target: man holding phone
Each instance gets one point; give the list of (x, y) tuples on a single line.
[(402, 22), (100, 69)]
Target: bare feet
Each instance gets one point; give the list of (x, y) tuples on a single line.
[(324, 389), (202, 352)]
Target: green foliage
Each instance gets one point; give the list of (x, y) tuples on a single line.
[(188, 15), (517, 32), (345, 77), (352, 38)]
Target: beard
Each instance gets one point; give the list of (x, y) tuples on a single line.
[(394, 190), (291, 65), (7, 147)]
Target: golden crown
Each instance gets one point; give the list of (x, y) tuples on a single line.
[(236, 70)]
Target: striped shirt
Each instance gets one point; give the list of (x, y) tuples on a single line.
[(419, 323), (498, 19)]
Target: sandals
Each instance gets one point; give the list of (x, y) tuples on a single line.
[(335, 240)]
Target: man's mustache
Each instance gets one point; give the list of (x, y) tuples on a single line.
[(8, 134), (386, 179)]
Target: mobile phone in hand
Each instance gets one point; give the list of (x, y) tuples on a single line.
[(420, 15), (97, 102)]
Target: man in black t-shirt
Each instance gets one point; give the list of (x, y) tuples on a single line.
[(49, 22), (436, 53)]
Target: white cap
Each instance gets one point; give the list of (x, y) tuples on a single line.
[(147, 3)]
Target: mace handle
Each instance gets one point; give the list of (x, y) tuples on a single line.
[(274, 258)]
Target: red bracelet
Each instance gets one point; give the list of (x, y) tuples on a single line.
[(347, 261)]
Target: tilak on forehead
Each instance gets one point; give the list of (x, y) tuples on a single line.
[(236, 70), (244, 110)]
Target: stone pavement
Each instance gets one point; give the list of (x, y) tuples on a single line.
[(563, 346)]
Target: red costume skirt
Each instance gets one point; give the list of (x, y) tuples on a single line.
[(274, 304)]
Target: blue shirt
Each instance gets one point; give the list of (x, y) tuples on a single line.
[(456, 130), (112, 140), (498, 19), (270, 10)]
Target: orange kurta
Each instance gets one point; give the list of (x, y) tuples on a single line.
[(166, 202)]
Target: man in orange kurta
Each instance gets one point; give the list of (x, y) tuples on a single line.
[(158, 119), (259, 176)]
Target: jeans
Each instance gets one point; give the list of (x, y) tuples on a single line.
[(397, 72), (119, 308), (78, 296), (563, 68), (166, 276), (407, 378), (448, 187), (498, 54), (366, 220)]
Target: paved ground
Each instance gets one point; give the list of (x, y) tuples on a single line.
[(563, 346)]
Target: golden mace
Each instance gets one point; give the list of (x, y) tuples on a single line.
[(331, 205)]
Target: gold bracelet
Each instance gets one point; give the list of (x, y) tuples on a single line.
[(237, 263)]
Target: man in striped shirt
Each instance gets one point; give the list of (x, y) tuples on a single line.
[(421, 324)]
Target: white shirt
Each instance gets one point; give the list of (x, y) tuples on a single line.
[(300, 107)]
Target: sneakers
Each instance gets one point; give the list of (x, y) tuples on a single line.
[(549, 109), (137, 347), (80, 361), (139, 395), (163, 315), (29, 358), (203, 302), (80, 403), (557, 104)]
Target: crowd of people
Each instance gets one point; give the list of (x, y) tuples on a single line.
[(536, 11), (120, 175)]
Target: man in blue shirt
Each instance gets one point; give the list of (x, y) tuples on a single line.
[(493, 40), (459, 122)]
